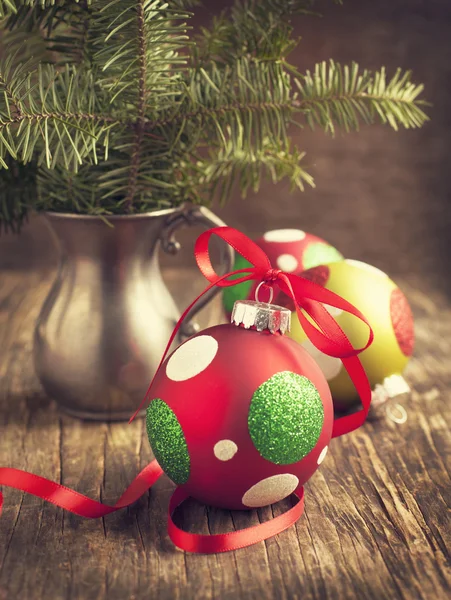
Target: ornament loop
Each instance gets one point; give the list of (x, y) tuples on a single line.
[(271, 292)]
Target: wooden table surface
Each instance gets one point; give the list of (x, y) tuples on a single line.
[(376, 523)]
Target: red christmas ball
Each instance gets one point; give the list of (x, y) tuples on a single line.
[(291, 250), (294, 250), (240, 418)]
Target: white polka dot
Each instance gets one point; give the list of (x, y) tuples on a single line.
[(365, 267), (270, 490), (333, 310), (225, 450), (322, 456), (329, 365), (287, 262), (191, 358), (284, 235)]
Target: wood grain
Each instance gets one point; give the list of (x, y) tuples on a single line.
[(376, 523)]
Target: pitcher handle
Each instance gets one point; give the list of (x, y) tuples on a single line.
[(195, 215)]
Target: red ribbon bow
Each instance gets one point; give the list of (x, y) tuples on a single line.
[(325, 334), (307, 296)]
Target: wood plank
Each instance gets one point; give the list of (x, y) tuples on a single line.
[(377, 513)]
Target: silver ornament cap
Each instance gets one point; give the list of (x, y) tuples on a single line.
[(261, 315)]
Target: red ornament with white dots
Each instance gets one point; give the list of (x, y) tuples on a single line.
[(291, 251), (240, 415)]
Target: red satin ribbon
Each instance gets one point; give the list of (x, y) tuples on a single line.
[(326, 335), (223, 542), (72, 501)]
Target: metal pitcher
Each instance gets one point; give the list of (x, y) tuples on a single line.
[(107, 319)]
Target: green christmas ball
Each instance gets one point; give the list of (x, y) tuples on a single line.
[(241, 290)]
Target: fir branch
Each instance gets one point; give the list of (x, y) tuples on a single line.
[(7, 8), (63, 117), (13, 7), (138, 53), (67, 33), (58, 34), (11, 99), (116, 29), (258, 28), (55, 114), (237, 167), (250, 98), (141, 105), (335, 95), (95, 189)]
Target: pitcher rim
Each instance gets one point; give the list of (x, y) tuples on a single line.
[(78, 217)]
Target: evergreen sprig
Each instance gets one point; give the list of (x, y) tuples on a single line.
[(121, 110), (54, 116), (340, 96), (13, 7), (234, 165)]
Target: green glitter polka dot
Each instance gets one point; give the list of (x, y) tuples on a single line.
[(320, 254), (168, 441), (239, 291), (286, 417)]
